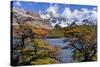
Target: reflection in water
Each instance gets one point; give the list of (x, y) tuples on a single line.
[(65, 55)]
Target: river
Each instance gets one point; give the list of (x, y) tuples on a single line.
[(65, 55)]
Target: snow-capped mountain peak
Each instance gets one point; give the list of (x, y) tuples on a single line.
[(67, 17)]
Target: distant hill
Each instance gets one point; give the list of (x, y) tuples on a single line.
[(60, 32), (64, 21), (27, 17)]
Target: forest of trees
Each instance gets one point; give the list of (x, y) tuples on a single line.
[(33, 50), (83, 41)]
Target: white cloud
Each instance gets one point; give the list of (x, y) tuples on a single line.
[(77, 14), (18, 3), (80, 15), (44, 16), (93, 16), (67, 13), (85, 10), (94, 13), (89, 14), (52, 10), (70, 15), (95, 9)]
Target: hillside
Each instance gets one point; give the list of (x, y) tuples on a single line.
[(60, 32), (28, 17)]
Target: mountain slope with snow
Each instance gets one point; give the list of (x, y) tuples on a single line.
[(25, 17), (67, 17)]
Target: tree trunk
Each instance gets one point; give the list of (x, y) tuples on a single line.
[(23, 41)]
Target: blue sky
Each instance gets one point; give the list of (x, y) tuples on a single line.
[(37, 6), (67, 11)]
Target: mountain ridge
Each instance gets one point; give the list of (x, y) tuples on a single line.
[(26, 17)]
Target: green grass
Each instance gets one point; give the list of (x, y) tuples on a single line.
[(56, 33), (60, 32)]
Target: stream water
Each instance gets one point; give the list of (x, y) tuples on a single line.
[(65, 55)]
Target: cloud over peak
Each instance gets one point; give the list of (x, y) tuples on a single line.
[(52, 10), (17, 3), (68, 15)]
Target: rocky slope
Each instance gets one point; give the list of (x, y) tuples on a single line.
[(20, 16)]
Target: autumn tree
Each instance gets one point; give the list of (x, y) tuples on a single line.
[(83, 40), (32, 50), (39, 53)]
